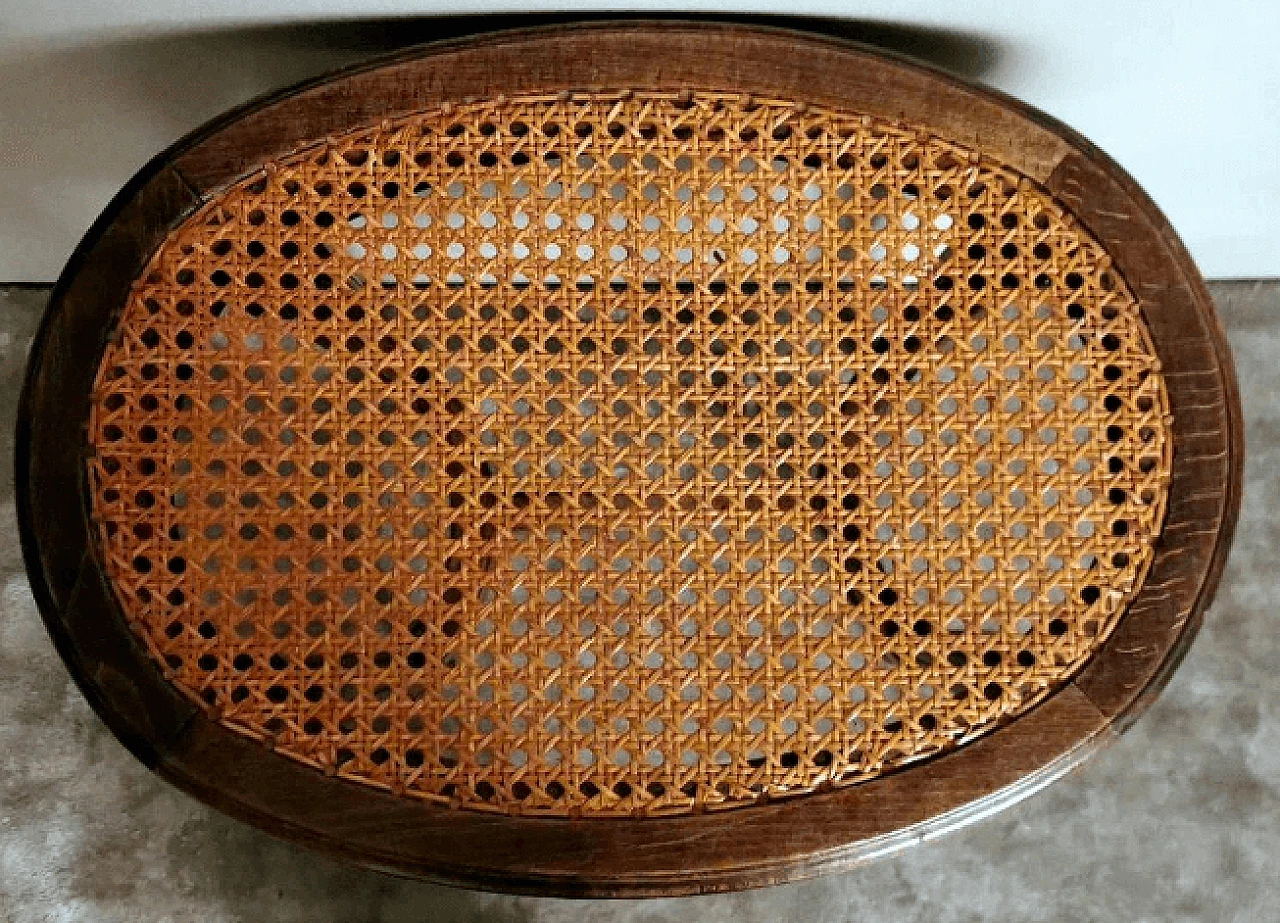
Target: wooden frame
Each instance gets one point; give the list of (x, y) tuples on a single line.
[(749, 847)]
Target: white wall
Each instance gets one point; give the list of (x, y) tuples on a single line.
[(1185, 95)]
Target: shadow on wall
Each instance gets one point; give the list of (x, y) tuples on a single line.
[(87, 116)]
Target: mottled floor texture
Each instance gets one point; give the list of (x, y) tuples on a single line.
[(1178, 821)]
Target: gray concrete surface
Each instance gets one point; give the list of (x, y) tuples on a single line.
[(1178, 821)]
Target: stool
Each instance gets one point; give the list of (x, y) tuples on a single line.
[(629, 459)]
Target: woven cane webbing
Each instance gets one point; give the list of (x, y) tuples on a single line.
[(627, 454)]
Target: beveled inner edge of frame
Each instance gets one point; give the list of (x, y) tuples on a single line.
[(627, 454)]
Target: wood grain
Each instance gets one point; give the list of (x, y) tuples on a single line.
[(1208, 445), (671, 56)]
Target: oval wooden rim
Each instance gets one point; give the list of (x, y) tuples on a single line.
[(747, 847)]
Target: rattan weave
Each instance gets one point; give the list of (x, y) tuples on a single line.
[(636, 453)]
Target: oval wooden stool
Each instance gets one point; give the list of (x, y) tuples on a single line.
[(623, 460)]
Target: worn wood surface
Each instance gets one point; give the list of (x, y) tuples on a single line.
[(1208, 446), (743, 848), (668, 55)]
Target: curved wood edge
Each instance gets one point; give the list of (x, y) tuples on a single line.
[(1134, 664), (51, 494), (747, 847), (730, 850), (664, 54)]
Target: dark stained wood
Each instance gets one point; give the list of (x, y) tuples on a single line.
[(1208, 442), (655, 856), (647, 856), (668, 55), (92, 289), (70, 588)]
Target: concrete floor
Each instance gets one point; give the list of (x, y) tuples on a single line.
[(1178, 821)]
